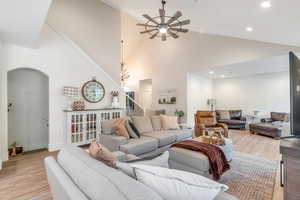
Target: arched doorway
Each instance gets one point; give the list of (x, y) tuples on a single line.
[(28, 108)]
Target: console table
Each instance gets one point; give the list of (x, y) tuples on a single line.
[(290, 168), (85, 126)]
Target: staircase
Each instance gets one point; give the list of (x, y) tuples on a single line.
[(132, 107)]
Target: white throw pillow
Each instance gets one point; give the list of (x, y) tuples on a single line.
[(173, 184), (160, 161), (169, 122)]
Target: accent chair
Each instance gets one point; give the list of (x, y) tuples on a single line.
[(206, 122)]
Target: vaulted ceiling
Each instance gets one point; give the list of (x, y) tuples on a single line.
[(22, 21), (278, 24)]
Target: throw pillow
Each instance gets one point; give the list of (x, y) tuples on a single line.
[(143, 124), (134, 129), (101, 153), (131, 132), (107, 126), (156, 122), (173, 184), (159, 161), (224, 114), (121, 130), (169, 122)]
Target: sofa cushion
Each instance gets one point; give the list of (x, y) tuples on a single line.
[(275, 116), (99, 181), (174, 184), (142, 123), (140, 146), (233, 122), (182, 134), (164, 138), (107, 126), (160, 161), (156, 122)]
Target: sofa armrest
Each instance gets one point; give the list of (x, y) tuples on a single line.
[(113, 142)]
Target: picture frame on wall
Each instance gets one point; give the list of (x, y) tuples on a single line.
[(167, 96)]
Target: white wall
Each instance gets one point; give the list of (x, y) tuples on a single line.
[(199, 90), (167, 63), (65, 66), (145, 93), (92, 25), (2, 113), (265, 92)]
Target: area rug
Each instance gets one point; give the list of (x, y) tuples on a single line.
[(251, 177)]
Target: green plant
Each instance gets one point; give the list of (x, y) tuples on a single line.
[(179, 113)]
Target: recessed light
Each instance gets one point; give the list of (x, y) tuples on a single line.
[(266, 4), (222, 76), (249, 29), (211, 72)]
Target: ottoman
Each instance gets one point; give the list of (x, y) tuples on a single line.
[(269, 129), (196, 162)]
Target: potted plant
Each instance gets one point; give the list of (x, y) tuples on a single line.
[(180, 115)]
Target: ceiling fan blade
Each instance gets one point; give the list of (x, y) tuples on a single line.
[(154, 35), (148, 31), (174, 35), (148, 25), (150, 19), (162, 15), (182, 30), (185, 22), (174, 18), (164, 37)]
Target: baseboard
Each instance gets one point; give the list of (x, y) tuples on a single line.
[(55, 147)]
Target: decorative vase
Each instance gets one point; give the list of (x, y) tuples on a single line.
[(115, 102)]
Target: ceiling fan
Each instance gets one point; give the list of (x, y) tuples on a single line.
[(164, 26)]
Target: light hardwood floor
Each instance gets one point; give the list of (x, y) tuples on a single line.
[(23, 177)]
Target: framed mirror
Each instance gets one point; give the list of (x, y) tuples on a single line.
[(93, 91)]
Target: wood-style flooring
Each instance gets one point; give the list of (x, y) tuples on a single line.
[(23, 177)]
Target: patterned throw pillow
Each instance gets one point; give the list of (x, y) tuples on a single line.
[(101, 153), (120, 128)]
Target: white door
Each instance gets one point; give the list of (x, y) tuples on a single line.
[(28, 109)]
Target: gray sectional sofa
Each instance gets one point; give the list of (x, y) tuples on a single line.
[(154, 140), (77, 176)]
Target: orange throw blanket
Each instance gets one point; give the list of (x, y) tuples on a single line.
[(216, 157)]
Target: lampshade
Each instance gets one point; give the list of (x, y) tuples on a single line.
[(211, 102), (70, 91)]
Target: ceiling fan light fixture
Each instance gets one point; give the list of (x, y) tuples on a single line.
[(163, 30), (167, 26)]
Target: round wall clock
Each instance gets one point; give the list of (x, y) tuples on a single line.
[(93, 91)]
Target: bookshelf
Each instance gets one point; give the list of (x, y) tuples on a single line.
[(85, 126)]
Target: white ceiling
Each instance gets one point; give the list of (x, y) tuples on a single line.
[(22, 21), (278, 24), (269, 65)]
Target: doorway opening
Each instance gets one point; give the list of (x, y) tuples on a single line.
[(145, 89), (28, 109)]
